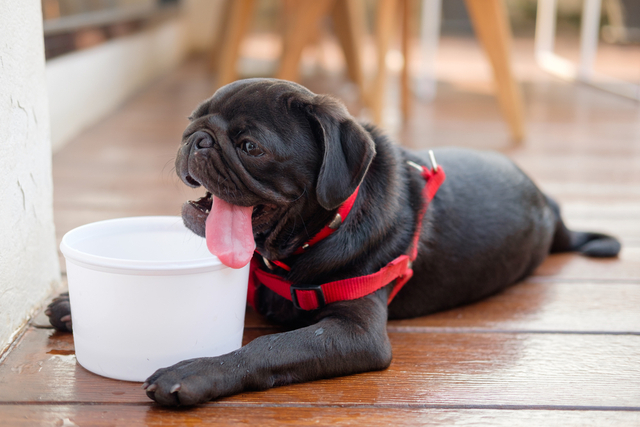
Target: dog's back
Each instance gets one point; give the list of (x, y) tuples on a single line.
[(488, 227)]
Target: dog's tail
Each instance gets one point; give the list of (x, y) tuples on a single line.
[(587, 243), (590, 244)]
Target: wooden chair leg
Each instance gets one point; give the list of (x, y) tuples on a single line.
[(51, 9), (304, 23), (239, 17), (348, 17), (491, 25), (221, 31), (405, 77), (385, 24)]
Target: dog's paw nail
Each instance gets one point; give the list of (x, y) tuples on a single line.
[(145, 386), (152, 387), (176, 387), (48, 312), (65, 318)]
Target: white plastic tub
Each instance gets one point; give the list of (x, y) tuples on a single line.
[(146, 293)]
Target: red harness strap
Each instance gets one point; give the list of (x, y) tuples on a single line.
[(343, 212), (311, 297)]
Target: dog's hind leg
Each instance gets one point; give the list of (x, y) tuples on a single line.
[(587, 243)]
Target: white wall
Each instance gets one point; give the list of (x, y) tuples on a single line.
[(28, 260), (86, 85)]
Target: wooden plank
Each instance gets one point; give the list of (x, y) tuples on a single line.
[(627, 230), (526, 307), (486, 369), (624, 210), (607, 192), (45, 368), (220, 415), (571, 266), (548, 307), (620, 218), (579, 167), (528, 370)]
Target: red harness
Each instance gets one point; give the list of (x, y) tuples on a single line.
[(311, 297)]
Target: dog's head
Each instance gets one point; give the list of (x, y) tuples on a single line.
[(275, 159)]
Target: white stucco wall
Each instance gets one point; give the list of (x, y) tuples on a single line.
[(28, 259)]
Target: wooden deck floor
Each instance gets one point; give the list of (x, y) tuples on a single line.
[(561, 348)]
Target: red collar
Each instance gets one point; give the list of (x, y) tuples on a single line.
[(341, 215), (315, 296), (329, 229)]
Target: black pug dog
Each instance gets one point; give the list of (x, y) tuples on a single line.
[(279, 164)]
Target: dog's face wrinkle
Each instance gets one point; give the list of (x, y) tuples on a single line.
[(270, 167), (278, 180), (273, 243), (291, 230), (212, 176), (217, 171)]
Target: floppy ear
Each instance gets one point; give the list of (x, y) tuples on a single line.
[(348, 150)]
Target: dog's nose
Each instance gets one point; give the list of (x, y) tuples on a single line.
[(201, 140)]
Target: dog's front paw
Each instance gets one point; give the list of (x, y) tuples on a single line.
[(186, 383), (59, 313)]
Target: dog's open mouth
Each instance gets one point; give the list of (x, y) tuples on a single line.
[(228, 228), (195, 213), (203, 206)]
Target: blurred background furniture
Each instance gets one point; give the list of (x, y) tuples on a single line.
[(491, 25), (302, 20), (301, 25), (583, 71)]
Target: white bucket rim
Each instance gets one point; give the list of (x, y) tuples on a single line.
[(128, 266)]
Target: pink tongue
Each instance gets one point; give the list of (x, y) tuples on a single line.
[(229, 233)]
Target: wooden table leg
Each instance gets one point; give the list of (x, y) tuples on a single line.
[(220, 30), (348, 17), (385, 24), (304, 24), (239, 17), (405, 77), (491, 25)]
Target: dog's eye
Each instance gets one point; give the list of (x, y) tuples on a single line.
[(251, 148)]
